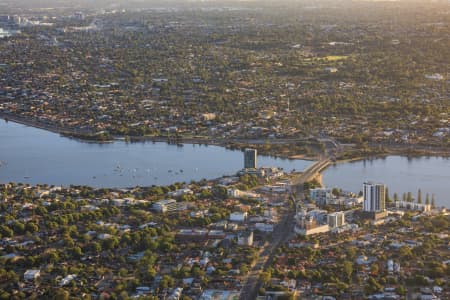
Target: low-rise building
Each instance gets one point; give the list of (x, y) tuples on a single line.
[(336, 219), (320, 196), (312, 230), (219, 295), (264, 227), (31, 274), (245, 238), (235, 193), (180, 192), (238, 216), (413, 206), (169, 205), (66, 280)]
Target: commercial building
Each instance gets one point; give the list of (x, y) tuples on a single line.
[(312, 229), (250, 158), (374, 197), (320, 196), (336, 219), (311, 222)]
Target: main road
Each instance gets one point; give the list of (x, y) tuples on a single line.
[(281, 234)]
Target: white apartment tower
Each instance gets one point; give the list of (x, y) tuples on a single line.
[(374, 197)]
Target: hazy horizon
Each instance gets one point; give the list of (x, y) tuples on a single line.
[(27, 4)]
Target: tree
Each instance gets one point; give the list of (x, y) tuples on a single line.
[(76, 252), (336, 192), (95, 247), (374, 269), (409, 197), (110, 243), (52, 256), (166, 282), (388, 199), (405, 253), (5, 231), (18, 227), (61, 294), (348, 270), (265, 277), (31, 227), (4, 295), (286, 296), (243, 269), (372, 286), (351, 252), (401, 290), (220, 192)]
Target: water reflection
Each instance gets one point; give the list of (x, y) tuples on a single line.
[(38, 156), (400, 174)]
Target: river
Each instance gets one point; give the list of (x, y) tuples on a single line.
[(400, 174), (32, 155)]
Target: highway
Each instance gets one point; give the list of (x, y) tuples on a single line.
[(281, 234)]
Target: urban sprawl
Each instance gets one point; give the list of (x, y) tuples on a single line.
[(297, 80), (262, 233)]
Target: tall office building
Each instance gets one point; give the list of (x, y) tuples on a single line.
[(374, 197), (250, 158)]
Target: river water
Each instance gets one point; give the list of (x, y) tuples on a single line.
[(399, 173), (32, 155)]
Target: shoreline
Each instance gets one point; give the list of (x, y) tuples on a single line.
[(180, 141), (22, 120), (400, 150)]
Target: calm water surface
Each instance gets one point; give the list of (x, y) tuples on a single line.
[(33, 156), (400, 174)]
